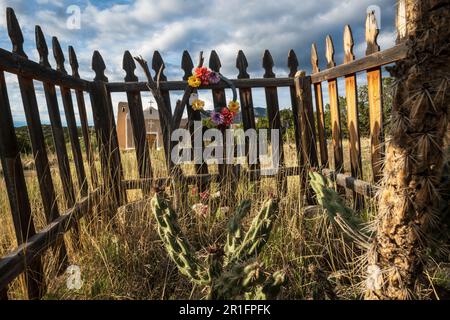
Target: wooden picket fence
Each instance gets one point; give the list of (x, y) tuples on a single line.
[(305, 91)]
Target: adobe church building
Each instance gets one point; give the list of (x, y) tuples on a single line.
[(152, 124)]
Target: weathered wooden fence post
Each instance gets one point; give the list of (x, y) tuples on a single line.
[(375, 96), (293, 68), (84, 121), (227, 180), (165, 113), (195, 116), (335, 113), (248, 115), (351, 93), (308, 134), (318, 96), (273, 114), (66, 96), (106, 136), (292, 64), (169, 124), (138, 124)]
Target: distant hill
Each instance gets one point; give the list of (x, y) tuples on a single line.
[(23, 138), (259, 113), (19, 124)]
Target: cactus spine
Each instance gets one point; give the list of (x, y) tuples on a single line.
[(177, 247), (234, 275), (328, 198), (256, 237), (340, 215)]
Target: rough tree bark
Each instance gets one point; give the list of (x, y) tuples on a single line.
[(415, 153)]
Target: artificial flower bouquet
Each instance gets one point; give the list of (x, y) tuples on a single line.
[(203, 76)]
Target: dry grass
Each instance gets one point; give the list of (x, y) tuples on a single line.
[(124, 258)]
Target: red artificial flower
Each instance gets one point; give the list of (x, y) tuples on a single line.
[(203, 73), (228, 116)]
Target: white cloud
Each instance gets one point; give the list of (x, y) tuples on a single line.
[(58, 3), (172, 26)]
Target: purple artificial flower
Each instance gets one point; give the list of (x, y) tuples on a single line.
[(214, 78), (217, 118)]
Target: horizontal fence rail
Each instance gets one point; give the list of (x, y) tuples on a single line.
[(344, 180), (17, 261), (16, 64), (371, 61), (87, 188), (181, 85)]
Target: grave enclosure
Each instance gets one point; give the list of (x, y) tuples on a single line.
[(109, 185)]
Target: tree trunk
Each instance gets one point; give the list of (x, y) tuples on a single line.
[(415, 153)]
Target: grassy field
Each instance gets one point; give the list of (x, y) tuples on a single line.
[(124, 258)]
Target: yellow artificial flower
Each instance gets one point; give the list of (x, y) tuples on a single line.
[(198, 104), (233, 106), (194, 81)]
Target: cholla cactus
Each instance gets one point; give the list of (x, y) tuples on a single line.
[(235, 234), (255, 238), (177, 247), (339, 214), (327, 197), (231, 273)]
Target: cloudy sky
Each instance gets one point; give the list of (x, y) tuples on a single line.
[(172, 26)]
